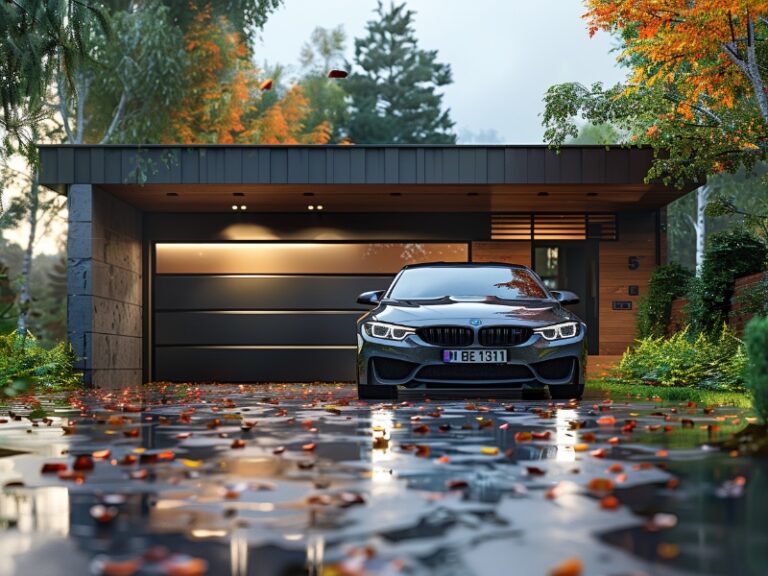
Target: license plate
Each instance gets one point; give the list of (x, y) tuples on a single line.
[(474, 356)]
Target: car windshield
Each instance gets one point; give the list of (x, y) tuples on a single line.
[(429, 283)]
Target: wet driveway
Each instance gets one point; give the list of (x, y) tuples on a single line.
[(289, 480)]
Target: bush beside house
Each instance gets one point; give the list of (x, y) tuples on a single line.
[(756, 372)]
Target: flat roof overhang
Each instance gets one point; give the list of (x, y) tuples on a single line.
[(211, 178)]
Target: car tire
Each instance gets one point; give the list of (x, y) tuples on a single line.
[(376, 392), (566, 391)]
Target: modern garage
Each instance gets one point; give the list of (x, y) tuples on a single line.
[(243, 263)]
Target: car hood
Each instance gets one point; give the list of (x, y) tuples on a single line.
[(530, 313)]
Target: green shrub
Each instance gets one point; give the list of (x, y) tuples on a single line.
[(25, 365), (702, 361), (756, 371), (654, 309), (728, 256)]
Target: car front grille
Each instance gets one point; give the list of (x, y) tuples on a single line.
[(475, 372), (503, 335), (446, 335)]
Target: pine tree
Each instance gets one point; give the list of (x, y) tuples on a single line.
[(395, 98)]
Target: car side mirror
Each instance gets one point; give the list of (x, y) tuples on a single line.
[(565, 297), (370, 298)]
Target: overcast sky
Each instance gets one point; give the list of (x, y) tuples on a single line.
[(504, 54)]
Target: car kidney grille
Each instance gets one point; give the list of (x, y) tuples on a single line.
[(446, 335), (504, 336)]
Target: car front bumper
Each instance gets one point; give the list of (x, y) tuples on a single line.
[(417, 364)]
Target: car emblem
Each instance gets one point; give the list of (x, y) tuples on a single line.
[(475, 322)]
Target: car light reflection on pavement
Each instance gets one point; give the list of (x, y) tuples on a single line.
[(565, 437), (382, 423)]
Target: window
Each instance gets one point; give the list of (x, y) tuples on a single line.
[(553, 227)]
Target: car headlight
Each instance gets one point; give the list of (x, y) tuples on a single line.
[(387, 331), (558, 331)]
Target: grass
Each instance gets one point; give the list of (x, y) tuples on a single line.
[(598, 389)]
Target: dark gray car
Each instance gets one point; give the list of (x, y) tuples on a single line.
[(469, 326)]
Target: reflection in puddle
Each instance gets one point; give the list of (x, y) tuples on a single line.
[(288, 480), (565, 438)]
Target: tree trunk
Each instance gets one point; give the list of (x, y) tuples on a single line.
[(702, 199), (25, 299)]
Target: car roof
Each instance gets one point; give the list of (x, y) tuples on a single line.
[(464, 265)]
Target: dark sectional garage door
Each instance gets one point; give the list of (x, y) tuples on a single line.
[(215, 319)]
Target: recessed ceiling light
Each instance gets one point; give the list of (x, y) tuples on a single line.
[(234, 207), (543, 194), (319, 206), (310, 207), (238, 194), (171, 194), (243, 207)]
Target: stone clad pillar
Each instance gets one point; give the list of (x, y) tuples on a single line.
[(104, 305)]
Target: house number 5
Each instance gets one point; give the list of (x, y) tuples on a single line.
[(633, 263)]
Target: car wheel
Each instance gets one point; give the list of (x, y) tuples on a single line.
[(376, 392), (566, 391)]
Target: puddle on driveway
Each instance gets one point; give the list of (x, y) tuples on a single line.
[(289, 480)]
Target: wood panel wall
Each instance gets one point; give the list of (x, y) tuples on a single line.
[(511, 252), (637, 237)]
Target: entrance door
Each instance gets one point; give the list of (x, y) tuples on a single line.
[(572, 266), (270, 311)]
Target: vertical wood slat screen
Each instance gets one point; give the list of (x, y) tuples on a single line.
[(554, 227)]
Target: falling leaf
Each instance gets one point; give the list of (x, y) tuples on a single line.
[(609, 503), (606, 421), (457, 484), (580, 447), (335, 73), (421, 429), (570, 567), (615, 468), (237, 443), (266, 85), (422, 450), (489, 450), (309, 447), (541, 435), (189, 463), (599, 453), (535, 471), (278, 450)]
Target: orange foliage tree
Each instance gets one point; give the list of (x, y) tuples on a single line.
[(222, 102), (708, 48), (697, 88)]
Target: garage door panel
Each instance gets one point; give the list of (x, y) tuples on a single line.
[(256, 328), (238, 364), (264, 292)]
